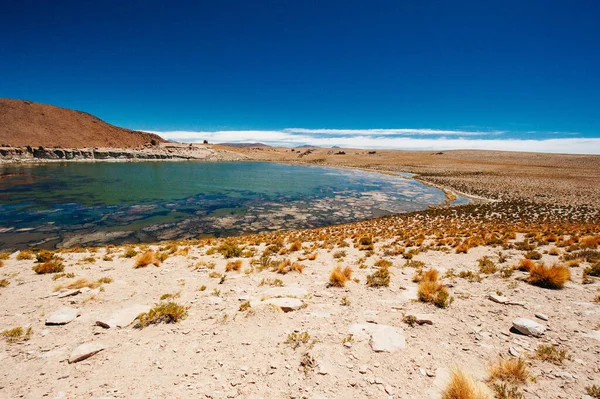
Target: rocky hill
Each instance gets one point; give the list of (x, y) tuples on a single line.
[(25, 123)]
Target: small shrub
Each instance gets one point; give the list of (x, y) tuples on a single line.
[(554, 251), (339, 254), (245, 306), (296, 246), (534, 255), (487, 266), (272, 282), (432, 291), (4, 283), (339, 276), (593, 270), (553, 277), (550, 353), (365, 243), (506, 391), (410, 320), (308, 363), (506, 272), (51, 266), (147, 258), (512, 371), (593, 391), (229, 250), (130, 252), (380, 278), (17, 334), (25, 255), (345, 301), (525, 265), (294, 340), (383, 263), (233, 265), (462, 386), (164, 312)]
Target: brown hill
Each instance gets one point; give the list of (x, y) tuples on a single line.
[(28, 123)]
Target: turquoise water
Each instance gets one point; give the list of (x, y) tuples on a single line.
[(65, 204)]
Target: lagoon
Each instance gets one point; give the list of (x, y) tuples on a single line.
[(91, 203)]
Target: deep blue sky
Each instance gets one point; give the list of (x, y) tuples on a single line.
[(515, 66)]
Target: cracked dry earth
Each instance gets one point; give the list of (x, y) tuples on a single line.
[(219, 351)]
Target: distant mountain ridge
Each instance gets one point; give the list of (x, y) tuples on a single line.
[(25, 123)]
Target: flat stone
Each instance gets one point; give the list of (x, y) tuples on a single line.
[(62, 316), (593, 334), (123, 317), (68, 293), (498, 299), (286, 304), (528, 327), (86, 350), (541, 316), (514, 352), (383, 338)]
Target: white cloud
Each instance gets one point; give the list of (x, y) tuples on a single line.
[(387, 139)]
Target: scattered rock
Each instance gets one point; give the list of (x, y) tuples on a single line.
[(541, 316), (123, 317), (62, 316), (383, 338), (528, 327), (68, 293), (286, 304), (86, 350)]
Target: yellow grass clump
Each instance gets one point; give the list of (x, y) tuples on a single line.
[(432, 291), (233, 266), (339, 276), (462, 386), (164, 312), (54, 265), (512, 371), (553, 277), (147, 258)]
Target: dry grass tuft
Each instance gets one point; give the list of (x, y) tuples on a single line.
[(550, 353), (164, 312), (512, 371), (462, 386), (147, 258), (233, 266), (339, 276), (525, 265), (25, 255), (432, 291), (54, 265), (17, 334), (553, 277), (380, 278)]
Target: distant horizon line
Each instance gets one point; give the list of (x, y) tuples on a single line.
[(393, 139)]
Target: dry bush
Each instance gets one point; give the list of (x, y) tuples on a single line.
[(553, 277), (380, 278), (54, 265), (312, 256), (164, 312), (147, 258), (554, 251), (462, 386), (297, 267), (233, 266), (534, 255), (25, 255), (593, 270), (487, 266), (432, 291), (588, 242), (4, 283), (525, 265), (17, 334), (295, 246), (229, 250), (462, 248), (339, 276), (550, 353), (512, 371)]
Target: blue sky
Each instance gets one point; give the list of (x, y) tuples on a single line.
[(521, 75)]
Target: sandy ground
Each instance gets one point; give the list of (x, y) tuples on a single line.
[(221, 351)]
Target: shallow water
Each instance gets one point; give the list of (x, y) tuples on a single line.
[(65, 204)]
